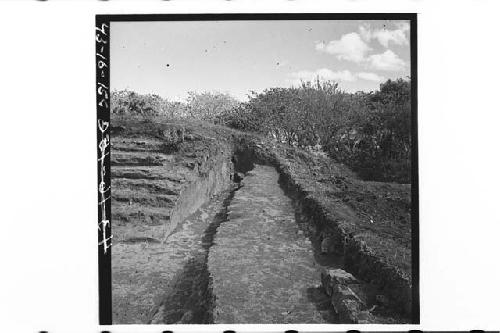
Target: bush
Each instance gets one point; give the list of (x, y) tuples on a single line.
[(129, 103), (210, 106), (377, 142), (369, 132)]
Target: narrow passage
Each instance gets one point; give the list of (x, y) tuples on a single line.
[(261, 265)]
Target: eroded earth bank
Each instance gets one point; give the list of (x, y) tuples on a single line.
[(212, 225)]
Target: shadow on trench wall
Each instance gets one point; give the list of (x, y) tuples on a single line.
[(189, 298)]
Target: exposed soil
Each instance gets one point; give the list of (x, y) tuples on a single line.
[(186, 251), (262, 265), (168, 186), (381, 212)]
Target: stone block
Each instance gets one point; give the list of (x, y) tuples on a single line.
[(348, 310), (331, 277), (342, 291), (347, 304)]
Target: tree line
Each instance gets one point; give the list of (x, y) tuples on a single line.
[(369, 132)]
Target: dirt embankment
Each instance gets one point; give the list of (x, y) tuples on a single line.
[(368, 223), (164, 172), (161, 175)]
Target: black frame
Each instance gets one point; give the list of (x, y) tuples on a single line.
[(103, 24)]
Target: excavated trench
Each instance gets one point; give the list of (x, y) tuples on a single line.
[(248, 255), (188, 299), (247, 258), (262, 264)]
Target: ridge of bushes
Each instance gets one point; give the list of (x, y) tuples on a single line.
[(368, 132)]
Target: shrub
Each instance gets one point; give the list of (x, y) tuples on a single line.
[(129, 103), (377, 142), (210, 106), (369, 132)]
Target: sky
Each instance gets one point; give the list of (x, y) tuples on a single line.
[(171, 58)]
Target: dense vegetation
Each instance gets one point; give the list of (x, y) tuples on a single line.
[(369, 132)]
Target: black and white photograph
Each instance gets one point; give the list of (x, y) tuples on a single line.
[(246, 166), (262, 169)]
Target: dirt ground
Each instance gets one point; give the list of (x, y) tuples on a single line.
[(156, 160)]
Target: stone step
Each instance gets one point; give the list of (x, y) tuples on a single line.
[(144, 172), (144, 198), (166, 186), (140, 159), (137, 145), (126, 213)]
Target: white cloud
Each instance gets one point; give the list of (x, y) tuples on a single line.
[(385, 36), (387, 61), (349, 47), (354, 47), (397, 37), (370, 76), (323, 74)]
